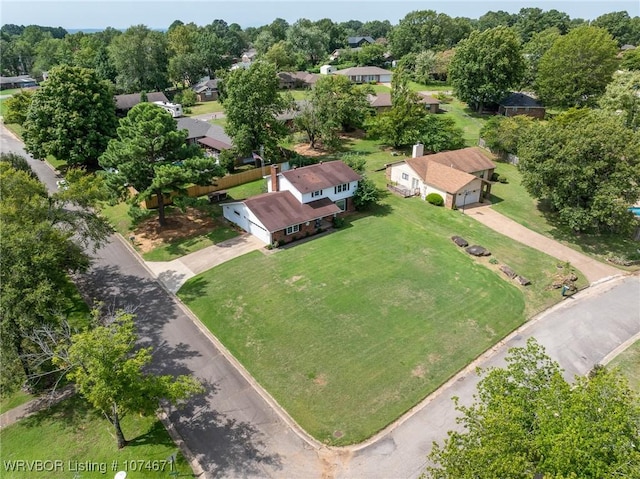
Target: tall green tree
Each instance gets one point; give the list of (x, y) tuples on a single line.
[(427, 30), (185, 62), (151, 155), (534, 49), (71, 116), (527, 420), (109, 371), (620, 26), (587, 165), (43, 240), (17, 107), (308, 40), (577, 68), (252, 100), (140, 56), (623, 95), (339, 105), (486, 66)]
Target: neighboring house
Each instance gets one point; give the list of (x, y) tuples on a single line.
[(21, 81), (249, 56), (521, 104), (461, 177), (337, 53), (206, 90), (124, 103), (300, 202), (382, 102), (355, 42), (289, 80), (288, 116), (366, 74), (212, 138)]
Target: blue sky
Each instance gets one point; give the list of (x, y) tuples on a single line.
[(161, 13)]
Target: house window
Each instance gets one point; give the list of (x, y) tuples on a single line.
[(293, 229), (342, 204), (405, 176), (316, 193), (341, 188), (236, 212)]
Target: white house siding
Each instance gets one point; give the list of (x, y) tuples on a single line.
[(239, 214), (427, 190), (385, 78), (412, 178), (473, 196), (329, 192)]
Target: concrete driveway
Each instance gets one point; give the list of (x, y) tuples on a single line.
[(593, 270), (173, 274)]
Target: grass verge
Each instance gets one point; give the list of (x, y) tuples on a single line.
[(629, 363), (206, 107), (76, 435)]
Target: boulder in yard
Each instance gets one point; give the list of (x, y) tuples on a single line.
[(460, 241), (508, 271), (477, 250)]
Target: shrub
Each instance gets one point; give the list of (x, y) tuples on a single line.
[(503, 179), (338, 222), (435, 199), (495, 177)]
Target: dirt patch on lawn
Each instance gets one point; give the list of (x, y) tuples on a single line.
[(149, 234), (305, 149)]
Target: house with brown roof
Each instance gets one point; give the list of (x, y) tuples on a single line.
[(212, 138), (289, 80), (299, 202), (461, 177), (382, 102)]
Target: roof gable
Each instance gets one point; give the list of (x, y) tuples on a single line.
[(278, 210), (469, 160), (319, 176)]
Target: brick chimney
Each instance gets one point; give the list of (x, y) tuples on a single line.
[(418, 150), (274, 178)]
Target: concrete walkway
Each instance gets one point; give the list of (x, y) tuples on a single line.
[(593, 270), (173, 274), (35, 405)]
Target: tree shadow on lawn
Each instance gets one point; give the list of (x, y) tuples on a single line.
[(194, 289), (225, 446), (69, 413)]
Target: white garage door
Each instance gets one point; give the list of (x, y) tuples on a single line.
[(471, 197)]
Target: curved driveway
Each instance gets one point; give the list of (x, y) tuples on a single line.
[(237, 431)]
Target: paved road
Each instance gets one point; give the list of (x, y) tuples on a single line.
[(234, 431)]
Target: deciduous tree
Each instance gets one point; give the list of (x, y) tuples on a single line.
[(71, 116), (252, 100), (486, 66), (109, 371), (623, 95), (151, 155), (577, 68), (527, 420), (17, 106), (587, 165)]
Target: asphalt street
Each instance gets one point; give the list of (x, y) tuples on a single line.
[(235, 430)]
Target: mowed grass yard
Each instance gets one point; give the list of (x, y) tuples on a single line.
[(74, 433), (350, 330), (629, 363)]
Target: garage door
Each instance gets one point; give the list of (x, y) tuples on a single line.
[(471, 197)]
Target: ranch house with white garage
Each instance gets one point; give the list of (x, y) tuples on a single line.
[(299, 202), (461, 177)]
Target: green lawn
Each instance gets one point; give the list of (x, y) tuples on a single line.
[(467, 119), (350, 330), (629, 363), (437, 86), (14, 400), (73, 433), (206, 107), (513, 201), (11, 91), (180, 248)]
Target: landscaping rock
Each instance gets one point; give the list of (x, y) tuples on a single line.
[(477, 250), (508, 271), (460, 241), (522, 280)]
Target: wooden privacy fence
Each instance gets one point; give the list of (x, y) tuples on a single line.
[(223, 183)]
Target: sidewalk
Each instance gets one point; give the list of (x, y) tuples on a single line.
[(593, 270), (173, 274), (35, 405)]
